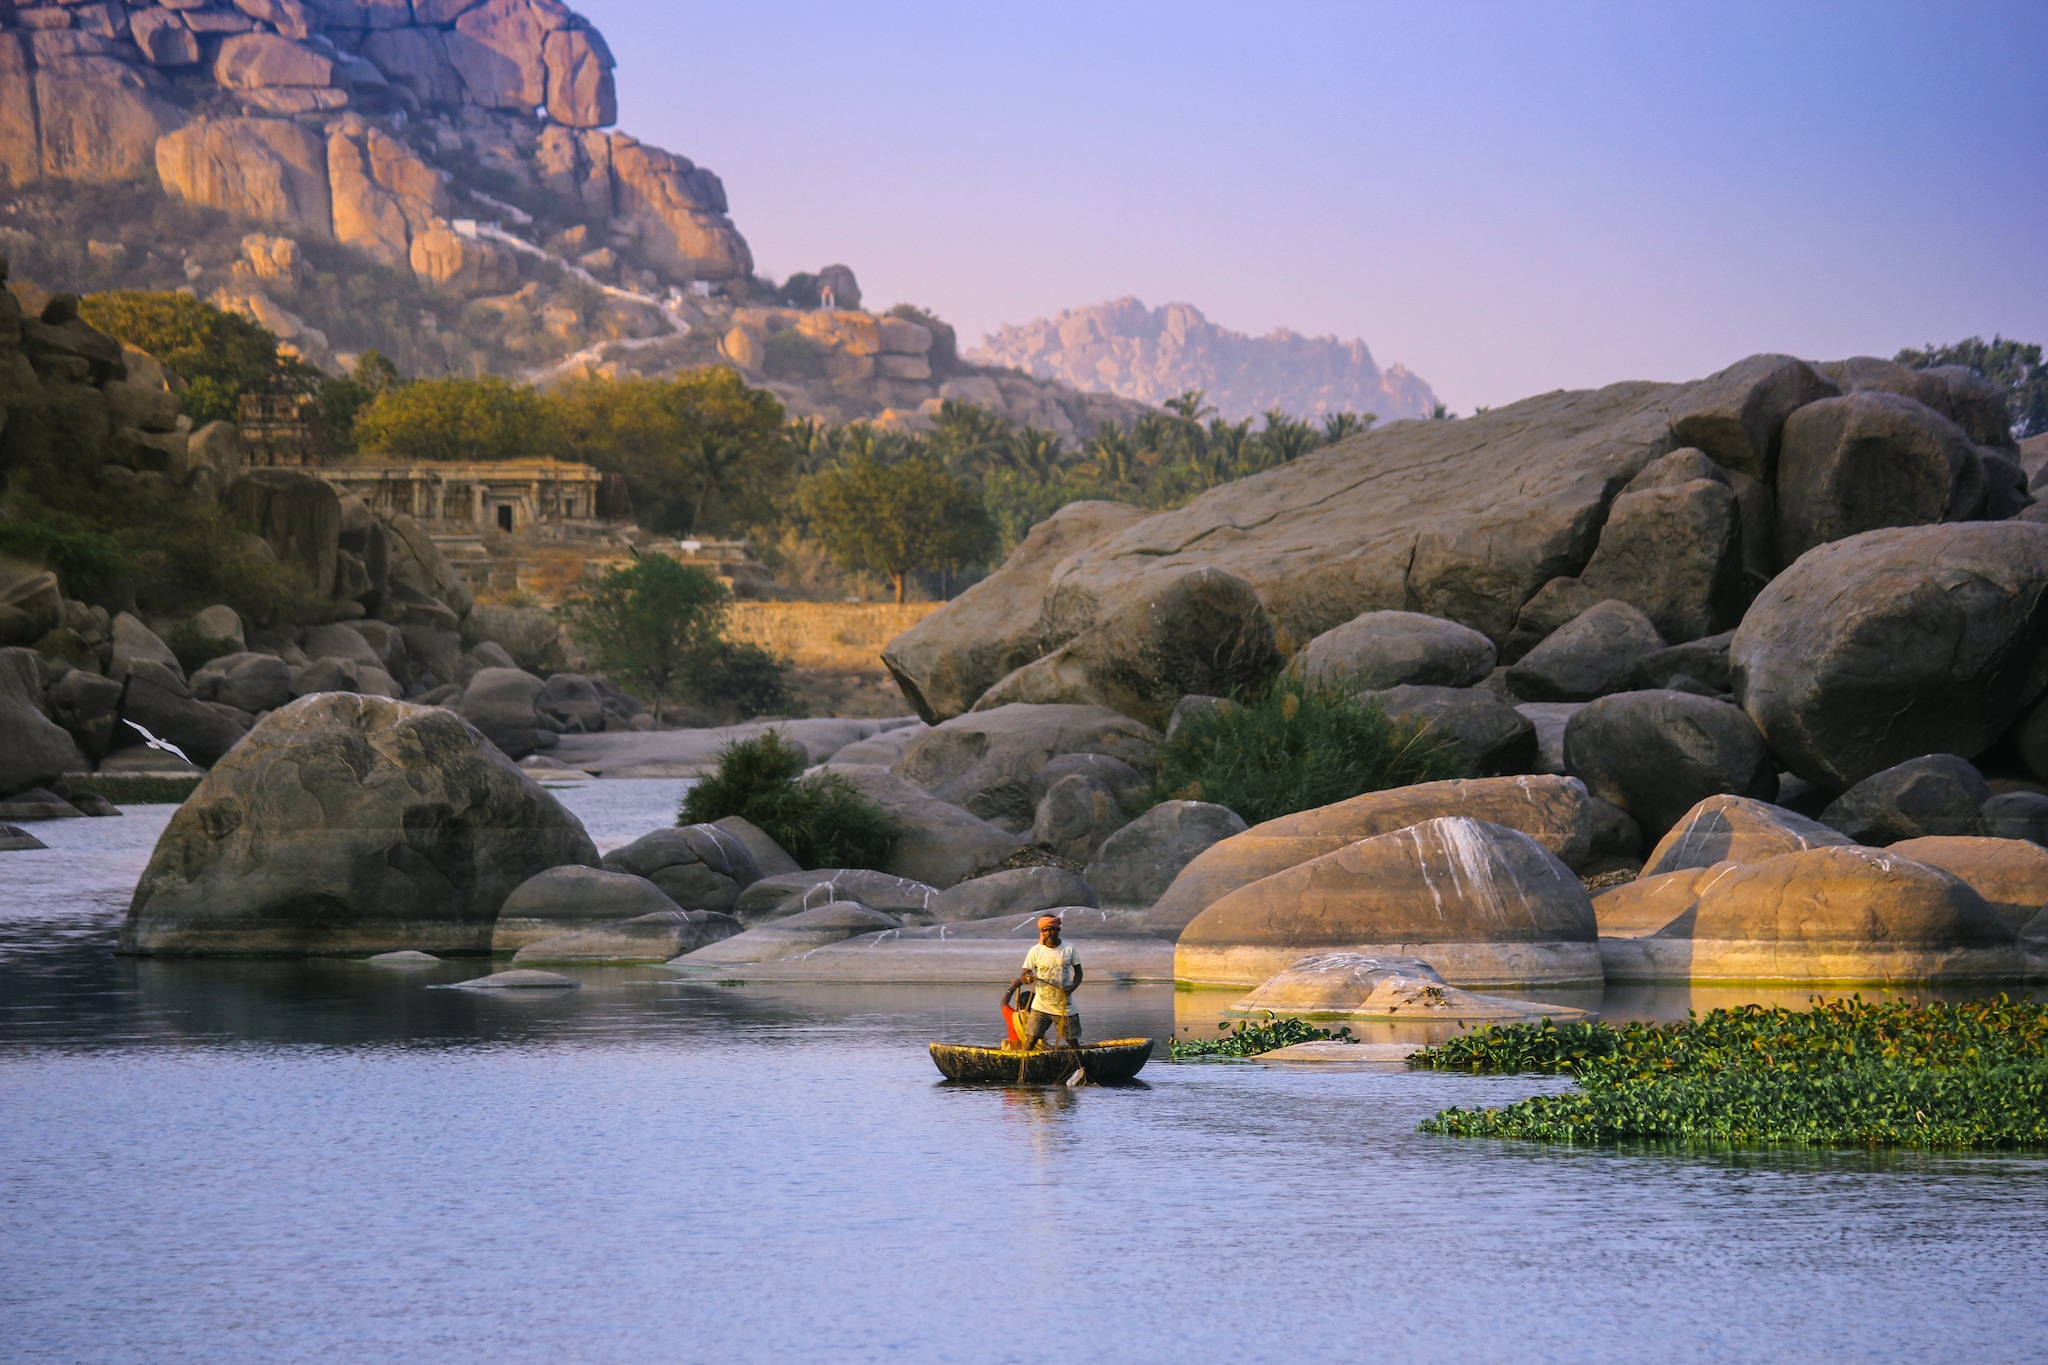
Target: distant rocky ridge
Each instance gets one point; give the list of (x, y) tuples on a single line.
[(1153, 354)]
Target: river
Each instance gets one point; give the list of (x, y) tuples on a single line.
[(258, 1161)]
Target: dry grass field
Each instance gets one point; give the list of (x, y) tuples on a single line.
[(827, 637)]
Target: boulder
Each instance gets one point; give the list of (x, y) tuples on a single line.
[(531, 635), (1197, 704), (272, 170), (700, 867), (499, 49), (33, 748), (1704, 660), (581, 93), (158, 700), (572, 702), (936, 842), (298, 516), (1384, 649), (1019, 891), (820, 925), (884, 750), (676, 208), (770, 860), (1135, 865), (1738, 416), (985, 762), (1120, 777), (1827, 915), (1649, 903), (384, 194), (89, 707), (340, 642), (499, 702), (1075, 815), (2017, 815), (1492, 738), (1893, 644), (1556, 811), (13, 840), (1739, 830), (1201, 631), (1550, 719), (1658, 754), (654, 937), (1592, 656), (257, 61), (98, 118), (163, 38), (135, 642), (1871, 460), (1975, 404), (2010, 874), (1616, 841), (1673, 551), (245, 681), (573, 897), (463, 267), (1485, 904), (1363, 986), (521, 979), (1932, 795), (349, 824), (38, 804), (777, 897), (417, 59)]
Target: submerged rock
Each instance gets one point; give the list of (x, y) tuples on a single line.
[(654, 937), (13, 840), (521, 979), (350, 824), (1362, 986), (563, 899)]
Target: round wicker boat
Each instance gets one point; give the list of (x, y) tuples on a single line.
[(1117, 1059)]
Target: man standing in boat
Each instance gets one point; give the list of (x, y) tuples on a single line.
[(1052, 972)]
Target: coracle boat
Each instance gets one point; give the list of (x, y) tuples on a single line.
[(1117, 1059)]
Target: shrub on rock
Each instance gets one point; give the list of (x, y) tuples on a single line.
[(1739, 830), (821, 820), (1892, 644), (1658, 754), (1555, 811), (1933, 794), (1484, 904), (348, 824)]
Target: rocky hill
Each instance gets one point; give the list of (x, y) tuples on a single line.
[(436, 179), (1153, 354)]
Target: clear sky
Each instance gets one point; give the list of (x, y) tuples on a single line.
[(1507, 198)]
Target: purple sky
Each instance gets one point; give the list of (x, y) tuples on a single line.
[(1505, 198)]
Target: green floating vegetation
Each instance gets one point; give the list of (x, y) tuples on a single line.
[(132, 789), (1846, 1073), (1246, 1039)]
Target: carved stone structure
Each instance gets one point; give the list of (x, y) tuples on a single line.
[(501, 495)]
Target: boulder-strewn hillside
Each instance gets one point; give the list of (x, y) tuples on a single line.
[(1153, 354)]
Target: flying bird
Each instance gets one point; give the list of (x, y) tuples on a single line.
[(153, 742)]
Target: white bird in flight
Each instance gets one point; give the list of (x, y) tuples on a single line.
[(153, 742)]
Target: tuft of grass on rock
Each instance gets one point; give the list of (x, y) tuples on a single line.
[(1844, 1073), (821, 820), (1295, 747)]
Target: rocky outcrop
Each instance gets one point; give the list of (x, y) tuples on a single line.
[(1135, 865), (948, 660), (1153, 354), (936, 842), (1893, 644), (1492, 738), (1739, 830), (347, 824), (267, 169), (1556, 811), (33, 748), (1384, 649), (1834, 915), (1484, 904), (986, 762), (1650, 902), (1075, 815), (1657, 755)]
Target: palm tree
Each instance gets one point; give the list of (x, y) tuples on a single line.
[(1189, 407), (1338, 425), (1112, 455), (1034, 453), (1228, 450), (1285, 439), (967, 438)]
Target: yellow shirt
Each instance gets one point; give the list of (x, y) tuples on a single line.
[(1052, 972)]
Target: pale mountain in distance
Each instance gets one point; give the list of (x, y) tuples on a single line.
[(1153, 354)]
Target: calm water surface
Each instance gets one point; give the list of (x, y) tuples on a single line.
[(266, 1161)]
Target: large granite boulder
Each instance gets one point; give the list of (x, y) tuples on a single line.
[(1871, 460), (1892, 644), (500, 703), (1384, 649), (88, 706), (1018, 891), (33, 748), (945, 662), (298, 515), (133, 641), (531, 635), (1649, 903), (1827, 915), (1493, 739), (1738, 416), (158, 700), (1672, 548), (2010, 874), (1593, 655), (1739, 830), (653, 937), (1556, 811), (1114, 773), (272, 170), (573, 897), (1658, 754), (985, 762), (1203, 630), (699, 867), (1704, 660), (770, 858), (1549, 719), (1484, 904), (936, 842), (1935, 794), (1135, 865), (349, 824), (1365, 986), (2017, 815), (1075, 815)]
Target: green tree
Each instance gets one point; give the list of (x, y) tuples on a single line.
[(1339, 425), (458, 419), (220, 355), (2014, 366), (1112, 456), (967, 438), (650, 623), (896, 518), (343, 398)]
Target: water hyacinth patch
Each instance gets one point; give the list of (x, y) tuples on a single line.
[(1246, 1039), (1845, 1073)]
